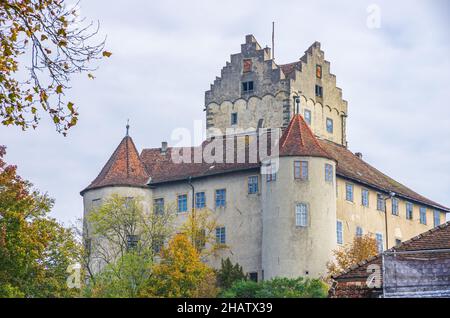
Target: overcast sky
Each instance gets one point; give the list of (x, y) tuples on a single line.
[(166, 53)]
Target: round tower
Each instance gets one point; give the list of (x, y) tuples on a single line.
[(299, 206), (124, 174)]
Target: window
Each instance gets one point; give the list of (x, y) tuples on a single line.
[(330, 125), (328, 172), (379, 238), (253, 184), (220, 235), (307, 116), (398, 242), (436, 218), (182, 203), (247, 87), (220, 198), (253, 276), (234, 118), (339, 233), (158, 206), (359, 231), (271, 174), (301, 215), (301, 170), (157, 244), (365, 197), (247, 63), (394, 206), (200, 200), (132, 241), (349, 192), (319, 91), (423, 215), (319, 71), (380, 202), (409, 210)]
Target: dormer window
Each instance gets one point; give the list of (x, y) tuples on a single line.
[(247, 86), (308, 116)]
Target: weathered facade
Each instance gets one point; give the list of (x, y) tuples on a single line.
[(280, 215)]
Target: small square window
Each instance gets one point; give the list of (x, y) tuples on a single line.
[(409, 210), (221, 195), (359, 231), (301, 215), (200, 200), (319, 91), (253, 184), (247, 86), (365, 197), (158, 206), (319, 71), (234, 118), (301, 170), (379, 238), (339, 232), (398, 242), (330, 125), (423, 215), (271, 174), (307, 113), (220, 235), (380, 202), (394, 206), (349, 192), (182, 203), (253, 276), (328, 172)]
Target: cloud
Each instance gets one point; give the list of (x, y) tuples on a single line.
[(166, 54)]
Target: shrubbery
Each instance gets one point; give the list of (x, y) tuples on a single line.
[(277, 288)]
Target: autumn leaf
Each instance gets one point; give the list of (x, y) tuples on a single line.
[(91, 76), (59, 89), (107, 54)]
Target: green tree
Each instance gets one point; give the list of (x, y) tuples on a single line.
[(43, 44), (122, 224), (127, 277), (35, 250), (181, 272), (229, 273), (278, 288)]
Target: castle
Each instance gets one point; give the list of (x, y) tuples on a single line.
[(284, 212)]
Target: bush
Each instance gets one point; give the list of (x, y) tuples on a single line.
[(229, 273), (278, 288)]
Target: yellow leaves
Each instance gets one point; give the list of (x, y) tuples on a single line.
[(106, 53), (70, 107), (29, 98), (62, 43), (59, 89), (90, 76), (43, 37)]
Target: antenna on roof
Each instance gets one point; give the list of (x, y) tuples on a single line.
[(273, 40), (128, 126)]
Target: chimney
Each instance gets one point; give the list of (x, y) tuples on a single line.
[(358, 154), (163, 147)]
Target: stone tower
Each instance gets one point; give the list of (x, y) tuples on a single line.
[(299, 208), (253, 91)]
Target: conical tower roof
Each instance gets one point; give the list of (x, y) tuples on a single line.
[(124, 168), (299, 140)]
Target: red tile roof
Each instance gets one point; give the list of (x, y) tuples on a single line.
[(124, 168), (288, 69), (352, 167), (434, 239), (299, 140)]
